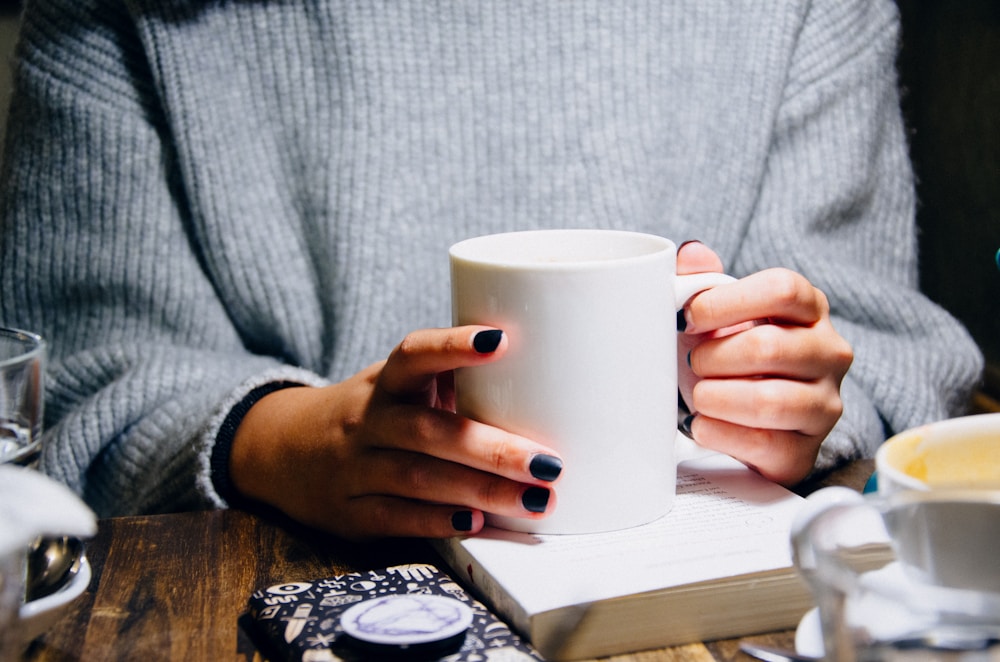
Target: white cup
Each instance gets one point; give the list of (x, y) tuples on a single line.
[(949, 474), (961, 452), (591, 367), (911, 575)]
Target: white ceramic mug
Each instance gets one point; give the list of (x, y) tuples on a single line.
[(591, 368)]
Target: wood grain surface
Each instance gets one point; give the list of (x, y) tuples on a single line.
[(175, 587)]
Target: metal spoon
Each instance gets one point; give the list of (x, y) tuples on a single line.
[(770, 654), (52, 562), (939, 642)]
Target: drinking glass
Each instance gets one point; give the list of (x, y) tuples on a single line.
[(22, 363), (22, 356)]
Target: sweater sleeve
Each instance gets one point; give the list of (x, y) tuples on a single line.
[(96, 255), (837, 204)]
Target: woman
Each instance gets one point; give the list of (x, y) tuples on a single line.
[(225, 216)]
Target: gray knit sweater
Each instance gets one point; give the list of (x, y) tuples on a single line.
[(200, 197)]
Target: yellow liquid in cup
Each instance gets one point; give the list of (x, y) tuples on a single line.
[(967, 462)]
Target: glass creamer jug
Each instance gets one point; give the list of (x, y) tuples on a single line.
[(913, 575)]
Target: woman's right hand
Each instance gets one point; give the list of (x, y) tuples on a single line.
[(383, 453)]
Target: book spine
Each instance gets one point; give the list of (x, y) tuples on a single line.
[(482, 584)]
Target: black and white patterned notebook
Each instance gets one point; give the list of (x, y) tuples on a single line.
[(300, 621)]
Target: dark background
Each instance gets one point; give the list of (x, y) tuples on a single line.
[(950, 76), (950, 73)]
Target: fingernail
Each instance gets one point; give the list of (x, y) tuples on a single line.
[(689, 359), (685, 426), (486, 342), (546, 467), (681, 320), (535, 499), (689, 241), (462, 520)]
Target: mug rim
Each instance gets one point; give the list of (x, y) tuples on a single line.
[(470, 251), (938, 495), (959, 425)]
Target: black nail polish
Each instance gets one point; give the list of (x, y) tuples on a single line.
[(535, 499), (689, 359), (462, 520), (681, 405), (689, 241), (545, 467), (685, 426), (681, 320), (486, 342)]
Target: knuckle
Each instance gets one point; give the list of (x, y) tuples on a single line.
[(844, 356), (450, 344), (831, 404), (790, 288), (492, 495), (834, 408), (415, 477), (409, 346), (822, 301), (378, 518), (422, 426), (770, 402), (352, 424), (837, 355), (766, 345), (793, 291), (500, 456), (370, 375)]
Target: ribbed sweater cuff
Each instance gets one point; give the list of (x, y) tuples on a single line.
[(222, 449)]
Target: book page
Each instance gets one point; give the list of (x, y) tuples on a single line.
[(726, 520)]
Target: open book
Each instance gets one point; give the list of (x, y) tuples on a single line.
[(717, 566)]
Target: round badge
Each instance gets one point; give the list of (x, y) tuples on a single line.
[(408, 622)]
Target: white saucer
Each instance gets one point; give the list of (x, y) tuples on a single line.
[(37, 616), (809, 635)]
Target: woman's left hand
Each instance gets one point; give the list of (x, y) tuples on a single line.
[(765, 367)]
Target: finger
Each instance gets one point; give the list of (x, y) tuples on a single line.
[(385, 516), (783, 456), (695, 257), (446, 391), (792, 352), (415, 362), (421, 478), (414, 476), (776, 294), (462, 441), (770, 404)]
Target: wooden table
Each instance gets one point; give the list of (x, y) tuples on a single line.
[(174, 587)]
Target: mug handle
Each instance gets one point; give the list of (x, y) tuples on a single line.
[(688, 285)]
